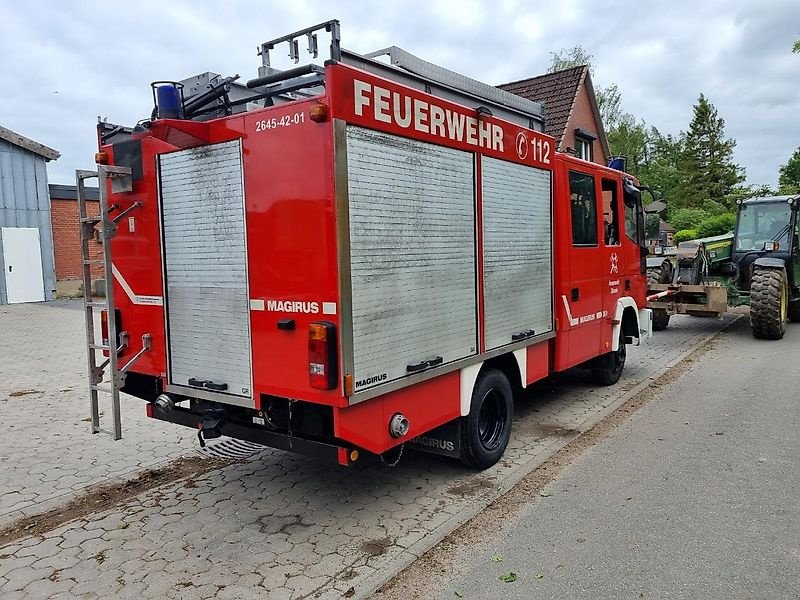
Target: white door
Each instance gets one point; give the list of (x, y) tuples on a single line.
[(22, 255)]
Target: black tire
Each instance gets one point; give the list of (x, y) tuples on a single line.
[(485, 431), (660, 274), (769, 300), (612, 364), (793, 312), (660, 319)]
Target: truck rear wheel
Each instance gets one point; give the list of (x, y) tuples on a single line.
[(613, 364), (769, 303), (660, 319), (485, 431)]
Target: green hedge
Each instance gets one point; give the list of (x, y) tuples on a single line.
[(684, 235)]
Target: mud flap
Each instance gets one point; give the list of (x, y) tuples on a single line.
[(445, 440)]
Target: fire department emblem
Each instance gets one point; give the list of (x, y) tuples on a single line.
[(614, 263), (522, 145)]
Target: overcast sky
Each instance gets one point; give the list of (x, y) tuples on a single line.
[(64, 63)]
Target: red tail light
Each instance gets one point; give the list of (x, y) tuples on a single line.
[(104, 327), (322, 363)]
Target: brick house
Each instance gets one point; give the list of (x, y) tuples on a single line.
[(67, 239), (572, 115)]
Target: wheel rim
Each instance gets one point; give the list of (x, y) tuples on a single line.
[(491, 419), (784, 303)]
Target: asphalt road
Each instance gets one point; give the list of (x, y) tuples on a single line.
[(697, 496)]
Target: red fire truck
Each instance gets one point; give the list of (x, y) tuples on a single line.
[(354, 257)]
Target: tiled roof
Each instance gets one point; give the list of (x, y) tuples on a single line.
[(28, 144), (556, 91)]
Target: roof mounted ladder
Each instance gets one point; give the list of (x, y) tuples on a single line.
[(407, 69), (106, 225)]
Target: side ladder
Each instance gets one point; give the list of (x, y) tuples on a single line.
[(105, 225)]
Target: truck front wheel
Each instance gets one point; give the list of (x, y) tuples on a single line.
[(612, 364), (769, 303), (485, 431)]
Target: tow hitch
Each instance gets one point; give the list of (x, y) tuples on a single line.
[(208, 428)]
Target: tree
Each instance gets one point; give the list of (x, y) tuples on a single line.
[(706, 162), (789, 180), (659, 168), (796, 48), (609, 100), (567, 58)]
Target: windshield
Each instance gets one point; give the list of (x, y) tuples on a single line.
[(759, 223)]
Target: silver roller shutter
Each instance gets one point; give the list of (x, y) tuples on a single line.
[(517, 259), (202, 203), (412, 247)]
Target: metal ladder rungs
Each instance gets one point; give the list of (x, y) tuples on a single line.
[(90, 226)]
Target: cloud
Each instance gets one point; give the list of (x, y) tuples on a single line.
[(66, 63)]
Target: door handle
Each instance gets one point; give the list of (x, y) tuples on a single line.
[(9, 268), (575, 293)]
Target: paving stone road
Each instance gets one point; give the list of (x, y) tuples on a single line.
[(273, 526)]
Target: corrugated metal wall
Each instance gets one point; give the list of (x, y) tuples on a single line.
[(24, 202)]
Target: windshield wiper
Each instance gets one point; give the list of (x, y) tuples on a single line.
[(783, 231)]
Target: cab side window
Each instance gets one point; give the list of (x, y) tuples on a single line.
[(630, 223), (610, 213), (583, 208)]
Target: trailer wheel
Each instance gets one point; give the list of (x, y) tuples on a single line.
[(660, 319), (612, 364), (660, 274), (485, 431), (769, 303)]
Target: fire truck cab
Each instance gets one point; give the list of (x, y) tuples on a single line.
[(360, 256)]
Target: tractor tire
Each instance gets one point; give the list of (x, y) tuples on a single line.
[(660, 274), (612, 364), (660, 319), (486, 430), (793, 312), (769, 300)]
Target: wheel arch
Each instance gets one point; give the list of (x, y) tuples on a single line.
[(511, 364), (626, 318)]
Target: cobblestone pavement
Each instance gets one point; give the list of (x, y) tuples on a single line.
[(47, 453), (273, 526)]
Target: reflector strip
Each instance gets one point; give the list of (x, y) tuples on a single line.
[(136, 299)]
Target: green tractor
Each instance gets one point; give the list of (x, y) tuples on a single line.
[(759, 265)]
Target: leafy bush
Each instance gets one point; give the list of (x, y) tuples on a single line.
[(686, 218), (684, 235), (714, 208), (716, 225)]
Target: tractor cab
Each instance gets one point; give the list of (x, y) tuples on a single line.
[(767, 228), (766, 262)]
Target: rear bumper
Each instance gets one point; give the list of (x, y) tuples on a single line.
[(332, 453)]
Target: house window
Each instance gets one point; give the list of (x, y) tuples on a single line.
[(583, 149), (584, 142)]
